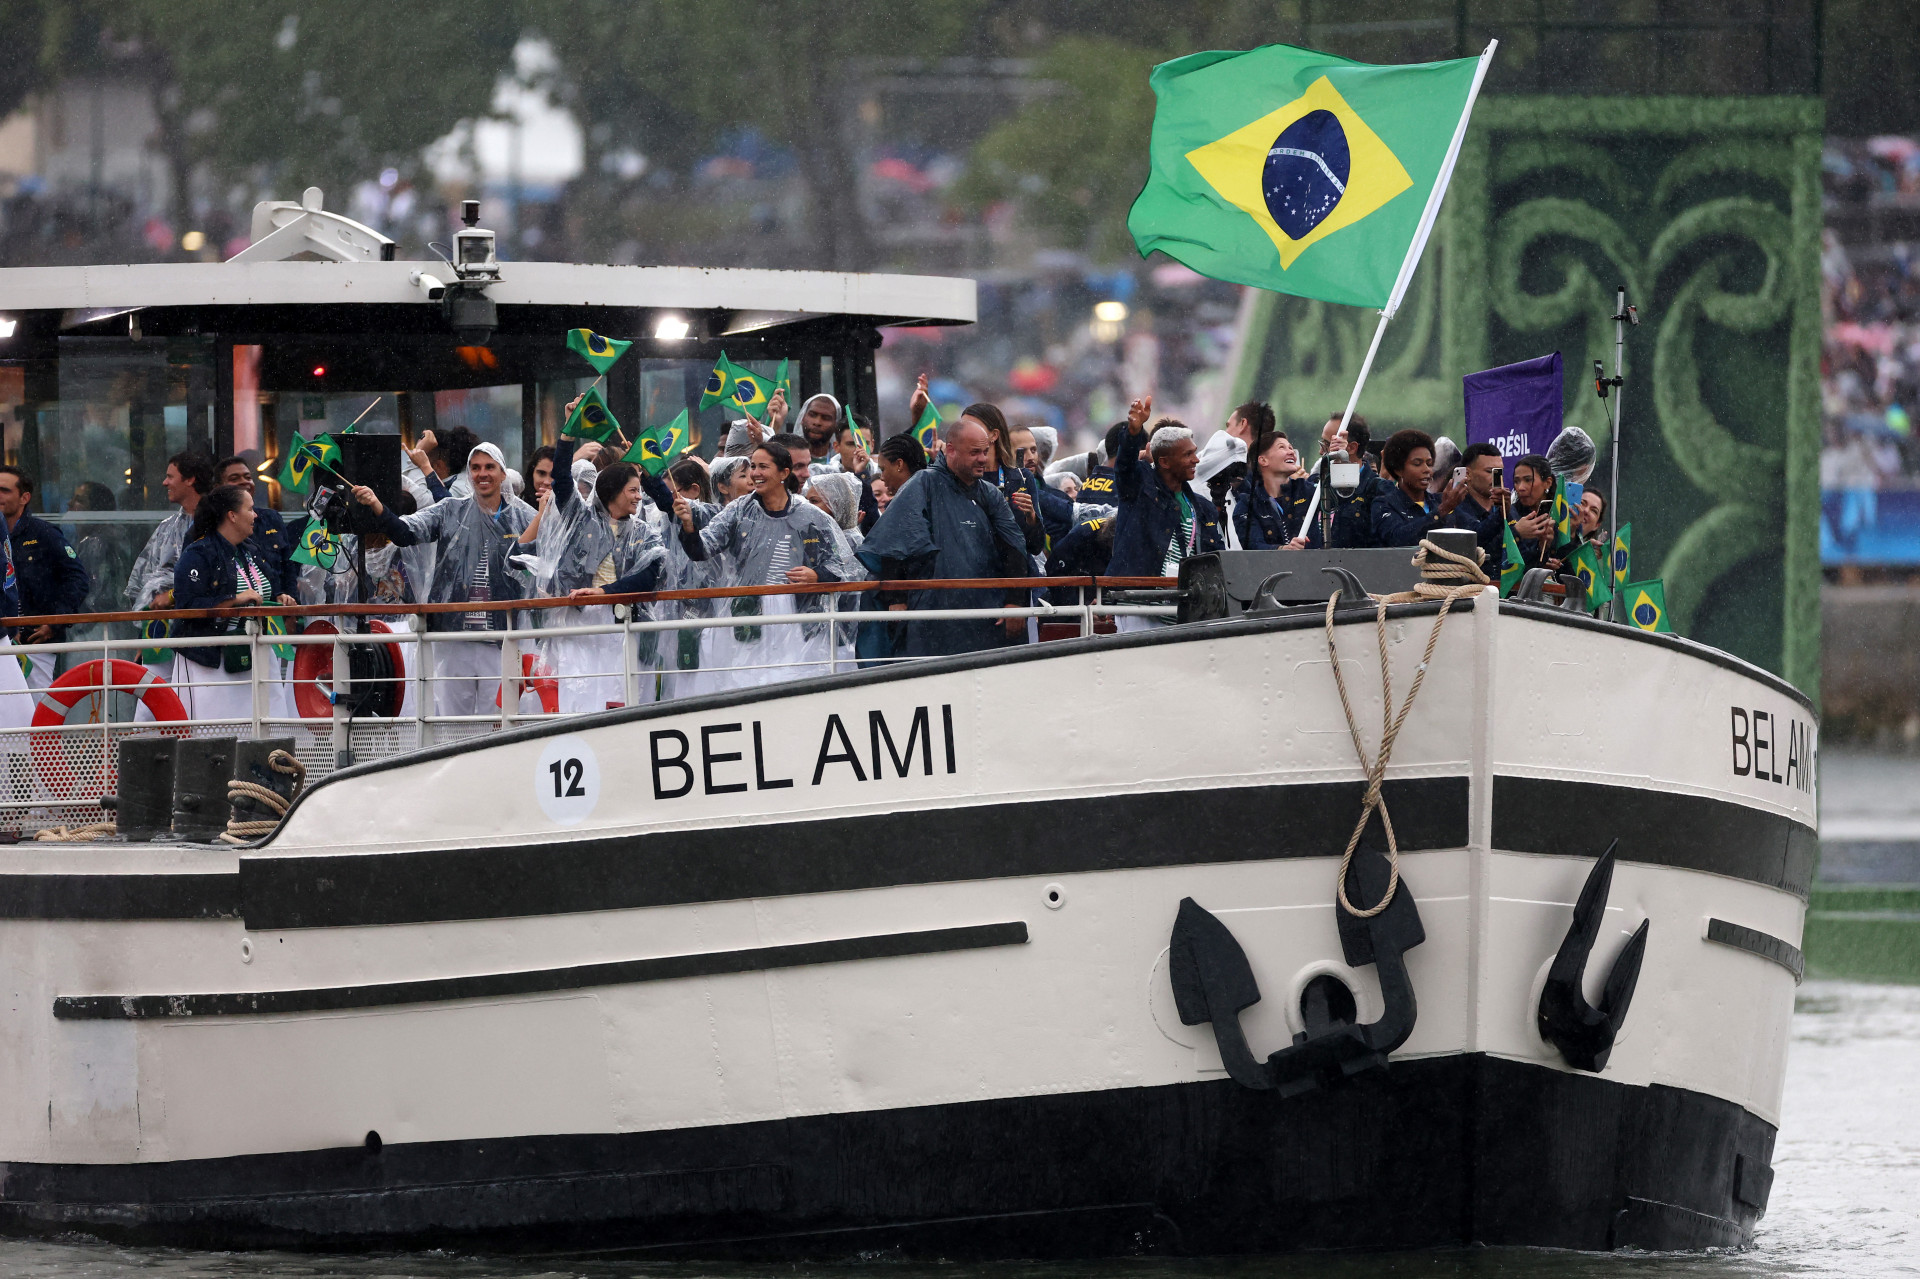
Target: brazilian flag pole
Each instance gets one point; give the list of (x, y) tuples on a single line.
[(1304, 173)]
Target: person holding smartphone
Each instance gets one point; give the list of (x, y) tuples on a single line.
[(1484, 500)]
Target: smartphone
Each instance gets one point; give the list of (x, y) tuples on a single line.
[(1459, 475)]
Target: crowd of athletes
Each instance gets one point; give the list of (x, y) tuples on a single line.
[(787, 502)]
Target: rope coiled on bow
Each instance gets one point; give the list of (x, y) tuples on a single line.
[(239, 832), (1446, 577)]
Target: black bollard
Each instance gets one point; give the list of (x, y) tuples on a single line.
[(251, 766), (144, 806), (202, 767)]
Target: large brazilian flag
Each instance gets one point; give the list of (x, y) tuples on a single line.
[(1299, 172)]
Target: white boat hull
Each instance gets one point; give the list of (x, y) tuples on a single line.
[(931, 1012)]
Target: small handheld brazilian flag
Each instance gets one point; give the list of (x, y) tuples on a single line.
[(1562, 514), (1586, 567), (277, 625), (736, 387), (853, 424), (1300, 172), (658, 446), (601, 352), (1647, 606), (1622, 556), (304, 457), (591, 419), (318, 546), (1511, 566), (927, 429)]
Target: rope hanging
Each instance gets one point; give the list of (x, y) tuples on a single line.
[(239, 832), (1446, 577)]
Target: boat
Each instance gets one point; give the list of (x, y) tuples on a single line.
[(1031, 953)]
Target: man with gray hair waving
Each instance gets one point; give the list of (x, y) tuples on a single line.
[(1161, 521)]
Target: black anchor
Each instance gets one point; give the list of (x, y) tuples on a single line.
[(1212, 981), (1585, 1034)]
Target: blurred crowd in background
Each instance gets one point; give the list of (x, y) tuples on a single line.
[(999, 139), (1870, 383)]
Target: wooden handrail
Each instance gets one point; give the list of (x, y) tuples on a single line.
[(648, 597)]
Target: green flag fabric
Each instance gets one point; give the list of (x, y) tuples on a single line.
[(591, 419), (1562, 513), (596, 350), (296, 467), (859, 435), (658, 446), (927, 429), (304, 458), (1647, 605), (1593, 580), (1622, 557), (1297, 171), (317, 546), (736, 387), (277, 625), (1511, 567)]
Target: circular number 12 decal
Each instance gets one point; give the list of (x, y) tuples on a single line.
[(567, 780)]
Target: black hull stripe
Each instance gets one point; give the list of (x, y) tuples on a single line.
[(123, 896), (835, 854), (932, 941), (1577, 819), (1435, 1152), (1765, 945), (990, 841)]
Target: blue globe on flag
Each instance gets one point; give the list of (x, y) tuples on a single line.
[(1306, 172)]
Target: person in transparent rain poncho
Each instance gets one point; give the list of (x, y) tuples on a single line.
[(189, 476), (592, 544), (477, 540), (837, 494), (770, 538), (687, 657)]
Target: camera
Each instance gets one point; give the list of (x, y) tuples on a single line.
[(473, 247), (329, 505), (471, 314), (429, 285)]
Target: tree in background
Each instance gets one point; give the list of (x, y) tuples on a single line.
[(1075, 157), (669, 77), (264, 100)]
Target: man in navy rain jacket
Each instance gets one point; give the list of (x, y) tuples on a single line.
[(1161, 521), (50, 576)]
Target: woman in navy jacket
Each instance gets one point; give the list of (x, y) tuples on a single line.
[(217, 569)]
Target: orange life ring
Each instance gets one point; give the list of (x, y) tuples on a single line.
[(79, 697), (313, 675), (538, 680)]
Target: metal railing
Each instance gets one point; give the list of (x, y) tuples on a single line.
[(58, 744)]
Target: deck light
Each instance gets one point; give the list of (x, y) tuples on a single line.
[(671, 328), (7, 325)]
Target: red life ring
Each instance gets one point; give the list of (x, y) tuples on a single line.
[(313, 675), (539, 681), (78, 697)]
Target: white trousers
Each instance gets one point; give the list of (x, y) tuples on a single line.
[(208, 692), (466, 678)]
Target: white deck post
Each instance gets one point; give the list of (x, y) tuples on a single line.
[(257, 653)]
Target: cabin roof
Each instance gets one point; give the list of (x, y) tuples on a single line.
[(778, 295)]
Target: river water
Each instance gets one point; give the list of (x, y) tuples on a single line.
[(1846, 1199)]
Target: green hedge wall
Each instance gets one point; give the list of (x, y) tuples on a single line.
[(1708, 210)]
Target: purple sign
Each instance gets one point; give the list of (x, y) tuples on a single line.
[(1516, 408)]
